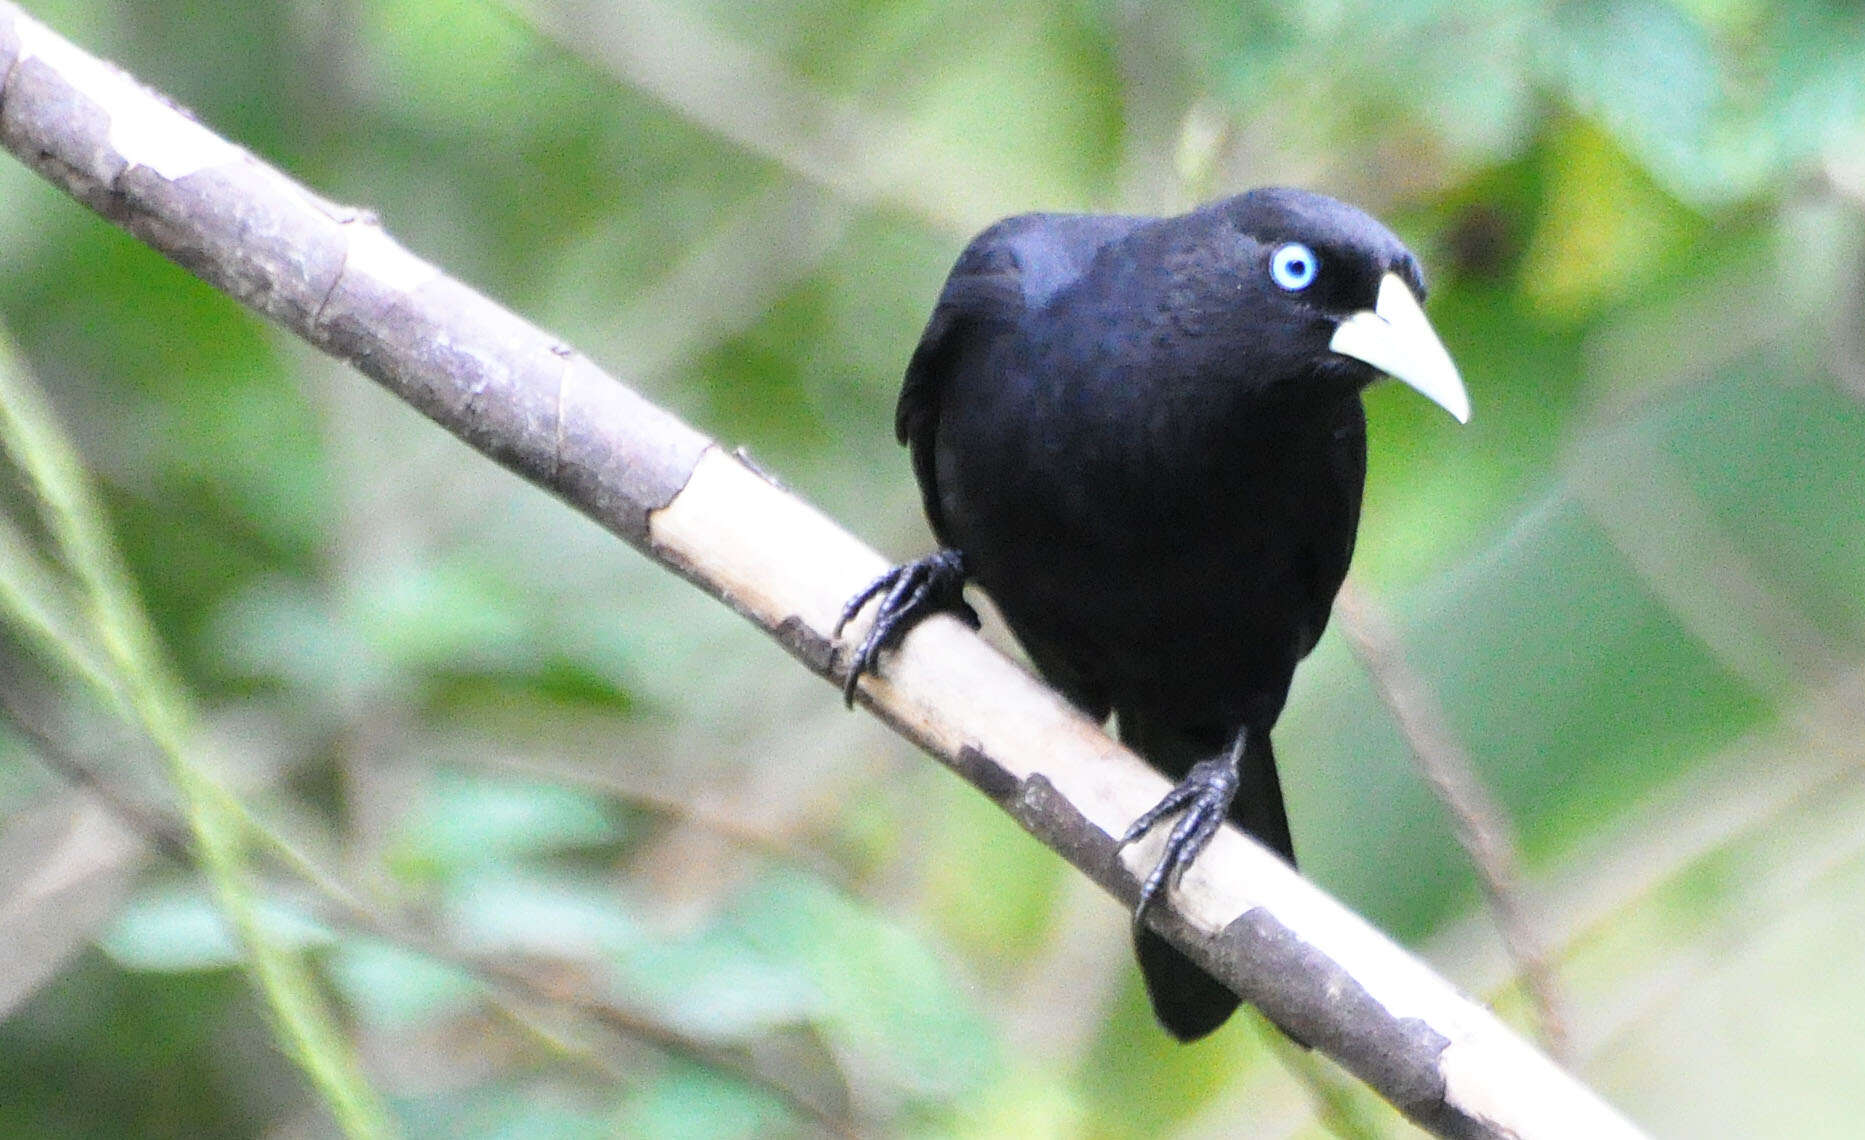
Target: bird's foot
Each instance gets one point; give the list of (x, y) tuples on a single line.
[(1204, 796), (909, 593)]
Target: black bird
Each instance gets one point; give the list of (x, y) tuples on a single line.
[(1144, 438)]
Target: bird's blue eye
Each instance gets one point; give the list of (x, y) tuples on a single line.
[(1293, 266)]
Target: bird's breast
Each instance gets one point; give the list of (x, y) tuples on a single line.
[(1172, 567)]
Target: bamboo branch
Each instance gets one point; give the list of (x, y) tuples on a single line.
[(332, 276)]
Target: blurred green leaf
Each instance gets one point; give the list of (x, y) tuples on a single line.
[(1140, 1082), (1651, 76), (718, 984), (60, 1056), (1025, 1105), (177, 928), (1604, 229), (1774, 453), (890, 1005), (1556, 666), (513, 1110), (501, 911), (447, 616), (281, 630), (397, 989), (690, 1102), (992, 886), (468, 820)]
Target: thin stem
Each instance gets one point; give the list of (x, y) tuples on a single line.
[(145, 691), (511, 990), (1481, 823)]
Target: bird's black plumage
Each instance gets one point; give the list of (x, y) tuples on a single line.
[(1143, 443)]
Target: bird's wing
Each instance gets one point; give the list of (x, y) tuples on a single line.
[(1010, 270)]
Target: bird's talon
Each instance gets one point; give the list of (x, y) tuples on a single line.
[(909, 593), (969, 616), (854, 605), (1171, 804), (1204, 798)]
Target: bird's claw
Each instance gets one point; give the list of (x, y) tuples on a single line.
[(909, 593), (1204, 796)]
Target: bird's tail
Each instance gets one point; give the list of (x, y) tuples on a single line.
[(1187, 1001)]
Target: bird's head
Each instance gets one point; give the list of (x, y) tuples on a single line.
[(1338, 289)]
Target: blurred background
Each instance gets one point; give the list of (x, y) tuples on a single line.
[(570, 851)]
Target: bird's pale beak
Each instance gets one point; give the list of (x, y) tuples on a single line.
[(1394, 337)]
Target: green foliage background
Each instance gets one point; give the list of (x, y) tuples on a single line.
[(1635, 582)]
